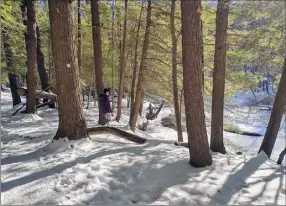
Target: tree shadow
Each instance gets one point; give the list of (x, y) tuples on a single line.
[(236, 181), (146, 184), (5, 186)]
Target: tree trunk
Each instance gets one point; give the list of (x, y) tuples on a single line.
[(113, 62), (200, 155), (79, 45), (281, 156), (98, 65), (89, 95), (13, 79), (141, 103), (41, 67), (31, 47), (219, 77), (142, 71), (134, 77), (122, 66), (174, 73), (276, 116), (71, 121)]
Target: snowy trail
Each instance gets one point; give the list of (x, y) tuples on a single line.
[(108, 170)]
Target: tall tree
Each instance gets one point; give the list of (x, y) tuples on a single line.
[(122, 64), (113, 63), (71, 121), (79, 38), (41, 66), (219, 77), (98, 66), (174, 72), (276, 116), (134, 76), (31, 47), (142, 72), (200, 155), (13, 78)]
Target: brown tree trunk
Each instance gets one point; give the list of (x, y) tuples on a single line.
[(113, 62), (142, 71), (219, 77), (276, 116), (281, 156), (141, 103), (11, 70), (200, 155), (31, 47), (89, 95), (79, 45), (41, 67), (174, 73), (98, 65), (134, 77), (71, 121), (122, 66)]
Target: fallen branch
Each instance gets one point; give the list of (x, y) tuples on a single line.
[(118, 132), (244, 133)]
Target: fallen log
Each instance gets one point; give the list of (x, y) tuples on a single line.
[(22, 91), (113, 130), (183, 144), (254, 134)]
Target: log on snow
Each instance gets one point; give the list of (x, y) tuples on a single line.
[(183, 144), (40, 94), (113, 130)]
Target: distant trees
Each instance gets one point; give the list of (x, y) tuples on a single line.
[(219, 77), (200, 155), (276, 116), (71, 121)]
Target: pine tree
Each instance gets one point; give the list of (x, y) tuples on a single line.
[(200, 155), (276, 116), (142, 71), (219, 77), (71, 121)]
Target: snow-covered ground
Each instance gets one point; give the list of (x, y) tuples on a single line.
[(109, 170)]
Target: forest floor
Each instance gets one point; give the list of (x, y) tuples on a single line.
[(109, 170)]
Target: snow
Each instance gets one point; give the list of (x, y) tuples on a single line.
[(110, 170)]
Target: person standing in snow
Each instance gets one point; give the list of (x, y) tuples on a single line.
[(104, 104)]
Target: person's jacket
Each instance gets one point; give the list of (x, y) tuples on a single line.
[(104, 103)]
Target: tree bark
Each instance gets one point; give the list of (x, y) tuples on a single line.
[(219, 77), (141, 103), (79, 38), (122, 65), (98, 65), (113, 62), (174, 73), (13, 78), (71, 121), (276, 116), (200, 155), (134, 76), (281, 156), (142, 71), (31, 47), (41, 67)]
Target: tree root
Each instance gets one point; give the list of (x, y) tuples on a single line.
[(121, 133)]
